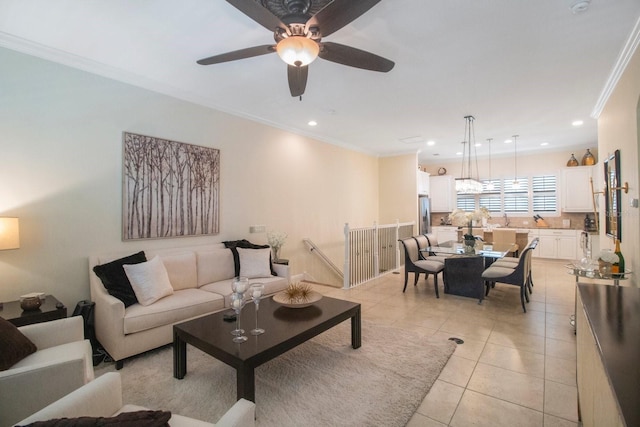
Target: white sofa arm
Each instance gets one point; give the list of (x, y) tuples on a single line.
[(241, 414), (101, 397), (282, 271), (28, 389), (55, 332)]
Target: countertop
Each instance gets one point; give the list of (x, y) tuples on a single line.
[(614, 315)]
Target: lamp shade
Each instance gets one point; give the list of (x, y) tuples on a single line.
[(9, 233), (298, 50)]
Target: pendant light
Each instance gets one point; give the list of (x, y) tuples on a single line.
[(467, 184), (490, 183), (516, 184)]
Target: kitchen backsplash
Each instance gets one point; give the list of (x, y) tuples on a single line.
[(576, 221)]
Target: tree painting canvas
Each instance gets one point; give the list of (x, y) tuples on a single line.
[(170, 189)]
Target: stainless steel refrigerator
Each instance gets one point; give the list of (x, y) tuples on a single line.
[(424, 217)]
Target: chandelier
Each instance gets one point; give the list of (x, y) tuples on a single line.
[(467, 183)]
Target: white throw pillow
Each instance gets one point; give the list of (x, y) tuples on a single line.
[(149, 280), (254, 262)]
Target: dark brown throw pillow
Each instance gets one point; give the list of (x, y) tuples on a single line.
[(115, 280), (125, 419), (245, 244), (14, 346)]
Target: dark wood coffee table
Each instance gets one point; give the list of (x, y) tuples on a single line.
[(285, 329)]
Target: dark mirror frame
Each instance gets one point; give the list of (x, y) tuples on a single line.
[(613, 196)]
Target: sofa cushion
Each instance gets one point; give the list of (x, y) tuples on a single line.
[(233, 244), (149, 280), (181, 269), (272, 285), (144, 418), (115, 279), (254, 263), (14, 346), (214, 265), (181, 305)]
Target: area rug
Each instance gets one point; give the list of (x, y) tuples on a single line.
[(323, 382)]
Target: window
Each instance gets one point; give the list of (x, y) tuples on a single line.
[(534, 194), (544, 193)]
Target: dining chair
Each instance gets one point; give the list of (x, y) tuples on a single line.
[(433, 241), (504, 236), (512, 262), (413, 264), (517, 275)]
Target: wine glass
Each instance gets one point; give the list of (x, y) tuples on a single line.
[(255, 292), (237, 302), (240, 285)]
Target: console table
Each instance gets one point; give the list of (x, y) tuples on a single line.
[(608, 351), (51, 309)]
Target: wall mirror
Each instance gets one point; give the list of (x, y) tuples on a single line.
[(613, 196)]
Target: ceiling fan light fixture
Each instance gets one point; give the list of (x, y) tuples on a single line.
[(298, 50)]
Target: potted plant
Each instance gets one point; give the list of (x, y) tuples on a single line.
[(463, 218)]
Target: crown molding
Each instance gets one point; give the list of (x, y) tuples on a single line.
[(618, 69)]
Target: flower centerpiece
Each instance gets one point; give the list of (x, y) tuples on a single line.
[(463, 218), (276, 240)]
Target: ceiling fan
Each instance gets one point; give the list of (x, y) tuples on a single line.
[(298, 27)]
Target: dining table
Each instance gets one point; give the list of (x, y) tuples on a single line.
[(463, 267)]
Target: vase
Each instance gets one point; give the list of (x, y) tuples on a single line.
[(276, 253), (469, 244), (604, 268)]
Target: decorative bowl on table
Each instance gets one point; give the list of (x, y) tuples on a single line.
[(297, 296)]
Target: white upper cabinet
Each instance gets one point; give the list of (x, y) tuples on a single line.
[(443, 193), (576, 188), (423, 183)]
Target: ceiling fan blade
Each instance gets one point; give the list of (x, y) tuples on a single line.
[(339, 13), (297, 79), (258, 13), (238, 54), (347, 55)]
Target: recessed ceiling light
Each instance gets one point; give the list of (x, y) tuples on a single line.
[(508, 141), (312, 123), (544, 143), (459, 153), (478, 144), (577, 123), (431, 143)]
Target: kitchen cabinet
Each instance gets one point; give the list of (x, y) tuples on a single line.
[(558, 244), (423, 183), (442, 192), (576, 188)]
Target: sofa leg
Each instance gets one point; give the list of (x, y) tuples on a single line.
[(119, 364)]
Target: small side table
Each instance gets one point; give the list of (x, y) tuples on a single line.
[(51, 309), (281, 261)]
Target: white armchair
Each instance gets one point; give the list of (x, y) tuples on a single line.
[(102, 397), (61, 364)]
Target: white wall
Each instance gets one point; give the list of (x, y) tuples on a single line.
[(61, 174), (618, 128), (399, 189)]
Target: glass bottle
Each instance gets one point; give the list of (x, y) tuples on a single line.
[(573, 161), (618, 267), (588, 159)]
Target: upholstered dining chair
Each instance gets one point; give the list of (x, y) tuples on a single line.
[(513, 262), (504, 236), (433, 241), (413, 264), (516, 276)]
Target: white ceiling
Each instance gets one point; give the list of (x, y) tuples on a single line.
[(520, 67)]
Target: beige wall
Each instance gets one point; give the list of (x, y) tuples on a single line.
[(399, 189), (618, 129), (61, 175)]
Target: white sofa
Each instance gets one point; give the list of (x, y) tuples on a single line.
[(201, 278), (61, 364), (102, 397)]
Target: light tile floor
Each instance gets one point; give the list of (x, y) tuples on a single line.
[(514, 368)]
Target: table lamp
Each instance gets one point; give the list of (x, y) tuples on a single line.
[(9, 235)]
